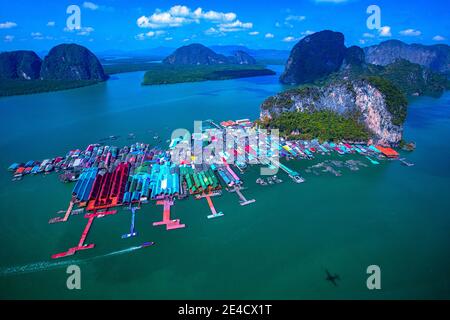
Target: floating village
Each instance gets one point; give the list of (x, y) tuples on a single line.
[(108, 177)]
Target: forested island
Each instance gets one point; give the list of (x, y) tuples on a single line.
[(196, 62), (168, 74), (66, 66)]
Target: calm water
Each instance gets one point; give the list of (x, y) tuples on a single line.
[(390, 215)]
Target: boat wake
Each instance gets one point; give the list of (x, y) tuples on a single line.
[(50, 265)]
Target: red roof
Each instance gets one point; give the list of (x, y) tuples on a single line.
[(20, 170), (388, 152), (227, 123)]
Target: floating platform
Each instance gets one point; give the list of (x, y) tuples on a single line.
[(133, 232), (406, 163), (372, 160), (242, 200), (169, 223), (214, 213), (81, 245), (66, 216)]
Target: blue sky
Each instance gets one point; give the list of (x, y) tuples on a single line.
[(140, 24)]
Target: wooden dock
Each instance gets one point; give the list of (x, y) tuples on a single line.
[(242, 199), (169, 223), (67, 214), (87, 228), (214, 213)]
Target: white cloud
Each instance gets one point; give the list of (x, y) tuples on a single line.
[(90, 5), (295, 18), (217, 16), (385, 31), (181, 11), (307, 33), (37, 36), (362, 41), (8, 25), (410, 33), (85, 31), (150, 34), (235, 26), (179, 15), (161, 20), (277, 24), (212, 31), (168, 38), (368, 35), (269, 35), (51, 24), (254, 33), (438, 38), (289, 39), (8, 38), (140, 36)]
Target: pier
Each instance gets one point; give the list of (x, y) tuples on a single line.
[(242, 200), (133, 232), (294, 175), (372, 161), (66, 216), (169, 223), (81, 245), (214, 213), (406, 163)]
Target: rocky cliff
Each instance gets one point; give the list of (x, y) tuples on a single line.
[(358, 99), (72, 62), (20, 65), (314, 57), (436, 57)]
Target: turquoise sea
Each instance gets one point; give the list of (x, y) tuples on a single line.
[(389, 215)]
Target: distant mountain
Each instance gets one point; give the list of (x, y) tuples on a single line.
[(23, 65), (354, 57), (315, 56), (413, 79), (258, 54), (153, 53), (72, 62), (242, 57), (198, 54), (435, 57), (229, 50), (195, 54)]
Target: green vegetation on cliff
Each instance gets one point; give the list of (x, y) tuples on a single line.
[(166, 74), (412, 78), (324, 125), (395, 99)]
